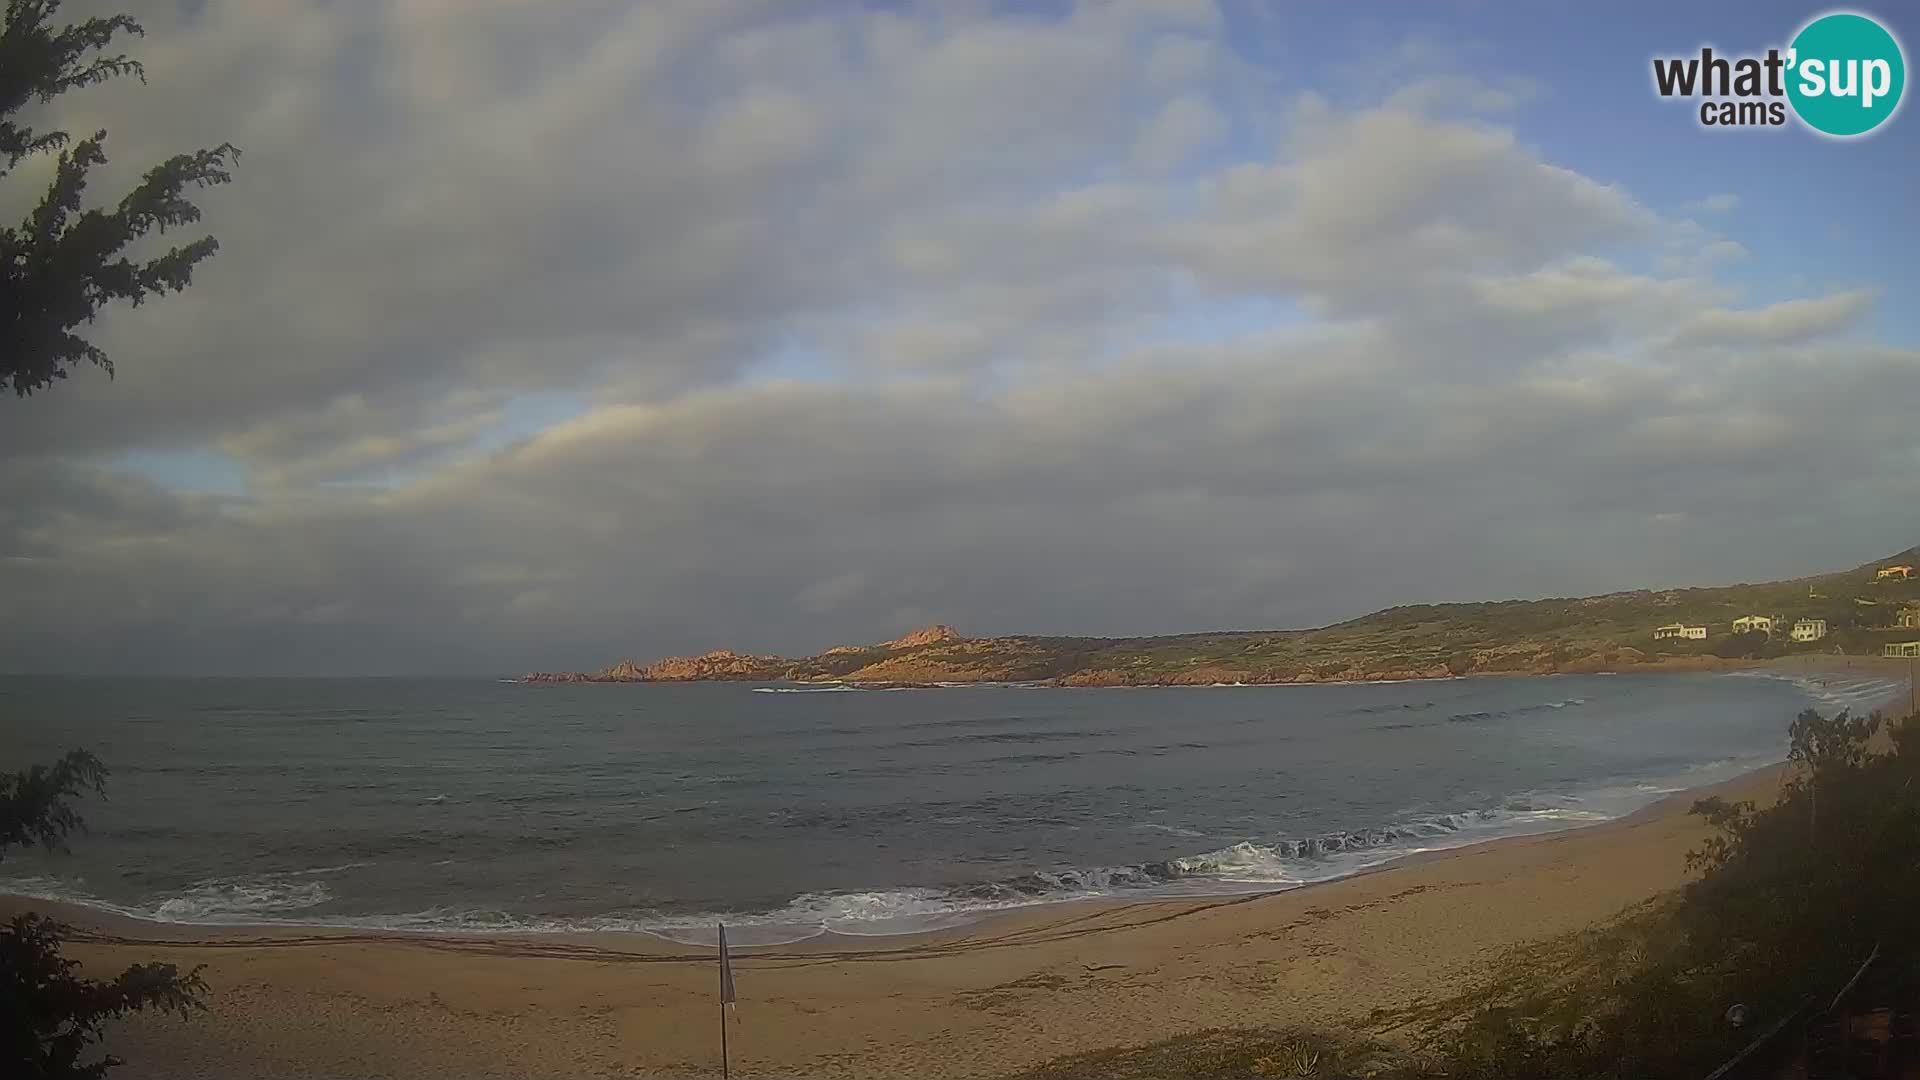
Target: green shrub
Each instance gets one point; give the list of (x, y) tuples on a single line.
[(1790, 899)]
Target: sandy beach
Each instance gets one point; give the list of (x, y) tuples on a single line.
[(982, 1000)]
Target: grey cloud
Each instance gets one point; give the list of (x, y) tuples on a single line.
[(438, 197), (1786, 321), (998, 394), (384, 258), (794, 517), (1373, 206), (1183, 127)]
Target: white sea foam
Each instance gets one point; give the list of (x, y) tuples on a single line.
[(1860, 693), (1252, 865), (216, 901), (219, 901), (1155, 826)]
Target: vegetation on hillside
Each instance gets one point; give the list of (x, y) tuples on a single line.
[(1791, 899), (1595, 633)]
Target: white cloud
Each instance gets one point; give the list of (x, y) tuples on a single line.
[(1369, 208), (1444, 94), (1785, 322), (1183, 127), (870, 316)]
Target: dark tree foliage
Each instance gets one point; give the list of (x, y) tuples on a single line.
[(53, 1015), (57, 269), (1790, 900), (49, 1015), (1752, 645), (34, 806), (63, 263)]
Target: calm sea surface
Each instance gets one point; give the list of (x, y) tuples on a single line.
[(478, 805)]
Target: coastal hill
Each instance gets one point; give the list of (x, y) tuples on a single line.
[(1861, 609)]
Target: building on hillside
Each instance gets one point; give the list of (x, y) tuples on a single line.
[(1754, 624), (1894, 573), (1902, 648), (1809, 629), (1680, 631), (1909, 618)]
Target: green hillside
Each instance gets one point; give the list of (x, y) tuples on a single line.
[(1592, 633)]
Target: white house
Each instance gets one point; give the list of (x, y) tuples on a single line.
[(1753, 623), (1681, 631), (1902, 648), (1908, 618), (1894, 573), (1809, 629)]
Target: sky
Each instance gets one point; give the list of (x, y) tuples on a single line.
[(541, 336)]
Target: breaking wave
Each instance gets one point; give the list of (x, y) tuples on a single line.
[(215, 901), (1519, 710), (1860, 693), (1222, 860), (1249, 865)]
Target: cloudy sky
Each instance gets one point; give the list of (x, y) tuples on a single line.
[(543, 335)]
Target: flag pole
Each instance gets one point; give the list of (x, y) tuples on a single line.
[(726, 992)]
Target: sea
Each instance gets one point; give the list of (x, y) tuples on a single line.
[(487, 806)]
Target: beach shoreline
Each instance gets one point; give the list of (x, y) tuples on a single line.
[(1064, 976), (102, 925), (994, 996)]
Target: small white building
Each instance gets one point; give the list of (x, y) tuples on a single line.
[(1894, 573), (1908, 618), (1809, 629), (1902, 648), (1680, 631), (1754, 624)]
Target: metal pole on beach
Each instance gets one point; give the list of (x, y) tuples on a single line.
[(726, 998)]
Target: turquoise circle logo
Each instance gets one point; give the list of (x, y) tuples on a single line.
[(1845, 74)]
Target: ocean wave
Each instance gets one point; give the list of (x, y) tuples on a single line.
[(1022, 759), (1392, 707), (1010, 738), (965, 722), (1154, 826), (1518, 710), (1249, 865), (215, 901), (1246, 866), (1858, 693)]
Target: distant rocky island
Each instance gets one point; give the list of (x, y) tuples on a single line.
[(1858, 611), (864, 664)]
